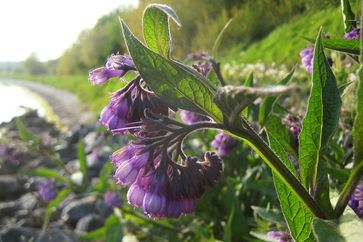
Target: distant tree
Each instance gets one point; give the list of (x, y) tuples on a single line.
[(33, 66)]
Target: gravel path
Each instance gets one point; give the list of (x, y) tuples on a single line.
[(65, 104)]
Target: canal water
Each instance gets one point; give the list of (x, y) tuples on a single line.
[(16, 100)]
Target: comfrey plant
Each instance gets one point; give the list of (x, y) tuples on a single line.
[(165, 182)]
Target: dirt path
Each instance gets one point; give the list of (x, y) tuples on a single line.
[(65, 105)]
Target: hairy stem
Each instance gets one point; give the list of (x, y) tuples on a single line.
[(348, 189), (274, 162)]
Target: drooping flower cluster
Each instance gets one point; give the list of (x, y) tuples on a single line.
[(112, 199), (163, 181), (354, 34), (224, 143), (356, 201), (47, 190), (160, 183), (307, 56), (128, 104), (279, 236)]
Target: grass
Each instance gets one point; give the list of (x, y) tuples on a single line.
[(282, 46)]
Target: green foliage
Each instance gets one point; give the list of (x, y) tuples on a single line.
[(81, 154), (53, 205), (289, 36), (319, 124), (156, 28), (347, 229), (297, 215), (179, 85), (348, 16), (49, 173)]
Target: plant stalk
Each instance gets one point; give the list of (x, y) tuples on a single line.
[(274, 162), (348, 189)]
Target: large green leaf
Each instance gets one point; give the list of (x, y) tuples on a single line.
[(347, 229), (348, 16), (176, 83), (319, 124), (326, 231), (297, 215), (349, 46), (156, 28)]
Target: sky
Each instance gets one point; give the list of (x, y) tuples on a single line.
[(47, 27)]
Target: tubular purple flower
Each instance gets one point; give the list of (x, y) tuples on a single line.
[(173, 209), (127, 171), (137, 191), (116, 66), (354, 34), (307, 56), (101, 75), (123, 154), (190, 117), (356, 201), (112, 199), (154, 203), (47, 190), (127, 107), (224, 143), (120, 62)]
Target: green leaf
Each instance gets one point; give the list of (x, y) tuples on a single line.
[(268, 102), (298, 216), (53, 205), (319, 124), (348, 228), (269, 214), (227, 236), (349, 46), (94, 234), (81, 154), (44, 172), (25, 134), (218, 40), (156, 28), (176, 83), (348, 16), (113, 229), (282, 134), (326, 231)]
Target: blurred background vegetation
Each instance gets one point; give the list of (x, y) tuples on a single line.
[(263, 31)]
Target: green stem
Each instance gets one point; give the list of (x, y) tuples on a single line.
[(274, 162), (348, 189)]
